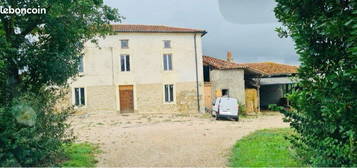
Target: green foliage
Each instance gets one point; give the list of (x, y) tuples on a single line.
[(242, 110), (32, 133), (80, 155), (324, 108), (265, 148), (38, 54), (273, 107)]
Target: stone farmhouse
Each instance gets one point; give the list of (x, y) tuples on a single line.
[(155, 69), (255, 85), (142, 68)]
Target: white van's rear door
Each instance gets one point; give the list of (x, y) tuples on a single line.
[(228, 106)]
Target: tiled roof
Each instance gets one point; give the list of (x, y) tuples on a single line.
[(264, 68), (153, 29), (220, 64), (271, 68)]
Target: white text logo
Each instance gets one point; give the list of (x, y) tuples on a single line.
[(22, 11)]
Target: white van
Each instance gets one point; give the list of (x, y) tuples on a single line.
[(225, 107)]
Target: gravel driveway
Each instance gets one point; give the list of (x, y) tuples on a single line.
[(166, 140)]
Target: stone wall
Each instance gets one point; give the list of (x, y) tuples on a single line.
[(229, 79), (102, 73), (101, 97), (148, 98)]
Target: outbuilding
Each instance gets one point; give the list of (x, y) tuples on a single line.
[(255, 85)]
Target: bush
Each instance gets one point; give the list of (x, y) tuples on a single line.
[(242, 110), (31, 132), (324, 107), (32, 71), (273, 107)]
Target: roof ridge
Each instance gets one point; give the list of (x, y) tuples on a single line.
[(268, 62), (264, 68), (220, 59), (141, 24), (158, 25)]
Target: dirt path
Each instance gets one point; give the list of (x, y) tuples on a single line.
[(166, 140)]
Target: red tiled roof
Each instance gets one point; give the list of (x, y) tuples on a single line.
[(220, 64), (271, 68), (264, 68), (153, 29)]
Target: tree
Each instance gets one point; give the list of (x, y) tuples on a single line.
[(39, 53), (324, 108)]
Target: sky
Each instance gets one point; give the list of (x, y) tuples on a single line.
[(244, 27)]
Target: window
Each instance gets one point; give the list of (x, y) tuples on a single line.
[(124, 44), (225, 92), (169, 93), (167, 62), (79, 96), (167, 44), (125, 63), (81, 66)]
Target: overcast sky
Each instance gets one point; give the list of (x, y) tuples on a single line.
[(245, 27)]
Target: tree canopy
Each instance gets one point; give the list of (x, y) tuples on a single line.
[(324, 108), (39, 53)]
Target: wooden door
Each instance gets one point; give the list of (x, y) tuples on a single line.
[(126, 98), (208, 95)]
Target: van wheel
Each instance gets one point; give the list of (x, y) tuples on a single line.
[(237, 119), (217, 117)]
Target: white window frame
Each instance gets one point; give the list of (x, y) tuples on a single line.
[(167, 63), (121, 44), (74, 97), (173, 94), (126, 68)]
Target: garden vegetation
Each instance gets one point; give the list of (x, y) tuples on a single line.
[(324, 107), (38, 54)]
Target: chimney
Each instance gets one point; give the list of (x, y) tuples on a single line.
[(229, 56)]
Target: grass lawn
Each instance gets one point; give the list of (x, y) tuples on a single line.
[(264, 148), (80, 155)]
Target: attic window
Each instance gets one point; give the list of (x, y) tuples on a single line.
[(167, 44), (124, 44)]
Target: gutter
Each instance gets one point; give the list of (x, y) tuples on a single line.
[(197, 83)]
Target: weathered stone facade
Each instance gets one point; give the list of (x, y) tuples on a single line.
[(150, 98), (103, 74), (101, 97), (231, 79)]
